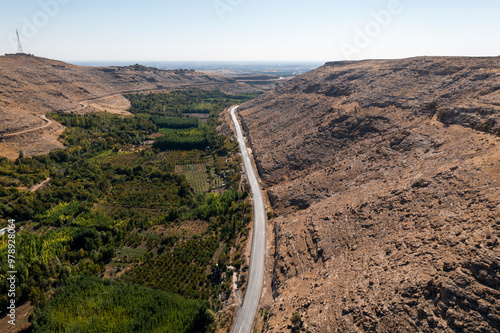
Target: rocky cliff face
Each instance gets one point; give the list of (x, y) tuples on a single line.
[(385, 180), (32, 86)]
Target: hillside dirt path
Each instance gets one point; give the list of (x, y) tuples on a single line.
[(43, 117), (84, 104), (39, 186)]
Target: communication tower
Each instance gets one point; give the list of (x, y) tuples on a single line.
[(19, 46)]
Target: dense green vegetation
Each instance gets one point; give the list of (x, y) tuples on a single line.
[(165, 111), (100, 131), (165, 122), (107, 306), (20, 174), (182, 265), (181, 141), (114, 205), (185, 101)]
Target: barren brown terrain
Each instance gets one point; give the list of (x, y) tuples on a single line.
[(31, 87), (384, 177)]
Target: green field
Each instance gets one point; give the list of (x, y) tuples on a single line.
[(148, 217), (171, 130), (106, 306), (216, 180), (198, 177), (133, 253), (196, 174)]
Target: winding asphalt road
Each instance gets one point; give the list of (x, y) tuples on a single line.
[(245, 315)]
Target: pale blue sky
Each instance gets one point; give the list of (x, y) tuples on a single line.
[(256, 30)]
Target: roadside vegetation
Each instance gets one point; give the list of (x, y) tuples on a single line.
[(167, 216), (107, 306)]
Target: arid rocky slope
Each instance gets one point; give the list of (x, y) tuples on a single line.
[(32, 86), (384, 178)]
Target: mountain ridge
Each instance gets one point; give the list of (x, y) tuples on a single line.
[(32, 86), (383, 177)]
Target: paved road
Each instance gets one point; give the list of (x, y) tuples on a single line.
[(246, 314)]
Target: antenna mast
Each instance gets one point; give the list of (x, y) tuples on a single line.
[(19, 46)]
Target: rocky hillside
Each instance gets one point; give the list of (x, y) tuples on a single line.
[(31, 87), (384, 178)]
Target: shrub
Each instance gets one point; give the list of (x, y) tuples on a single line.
[(296, 319)]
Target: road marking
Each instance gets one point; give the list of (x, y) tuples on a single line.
[(246, 314)]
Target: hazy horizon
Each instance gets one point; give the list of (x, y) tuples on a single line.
[(239, 30)]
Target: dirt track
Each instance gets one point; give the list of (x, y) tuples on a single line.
[(32, 87), (47, 123)]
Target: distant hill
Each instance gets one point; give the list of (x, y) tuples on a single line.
[(384, 178), (31, 87)]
